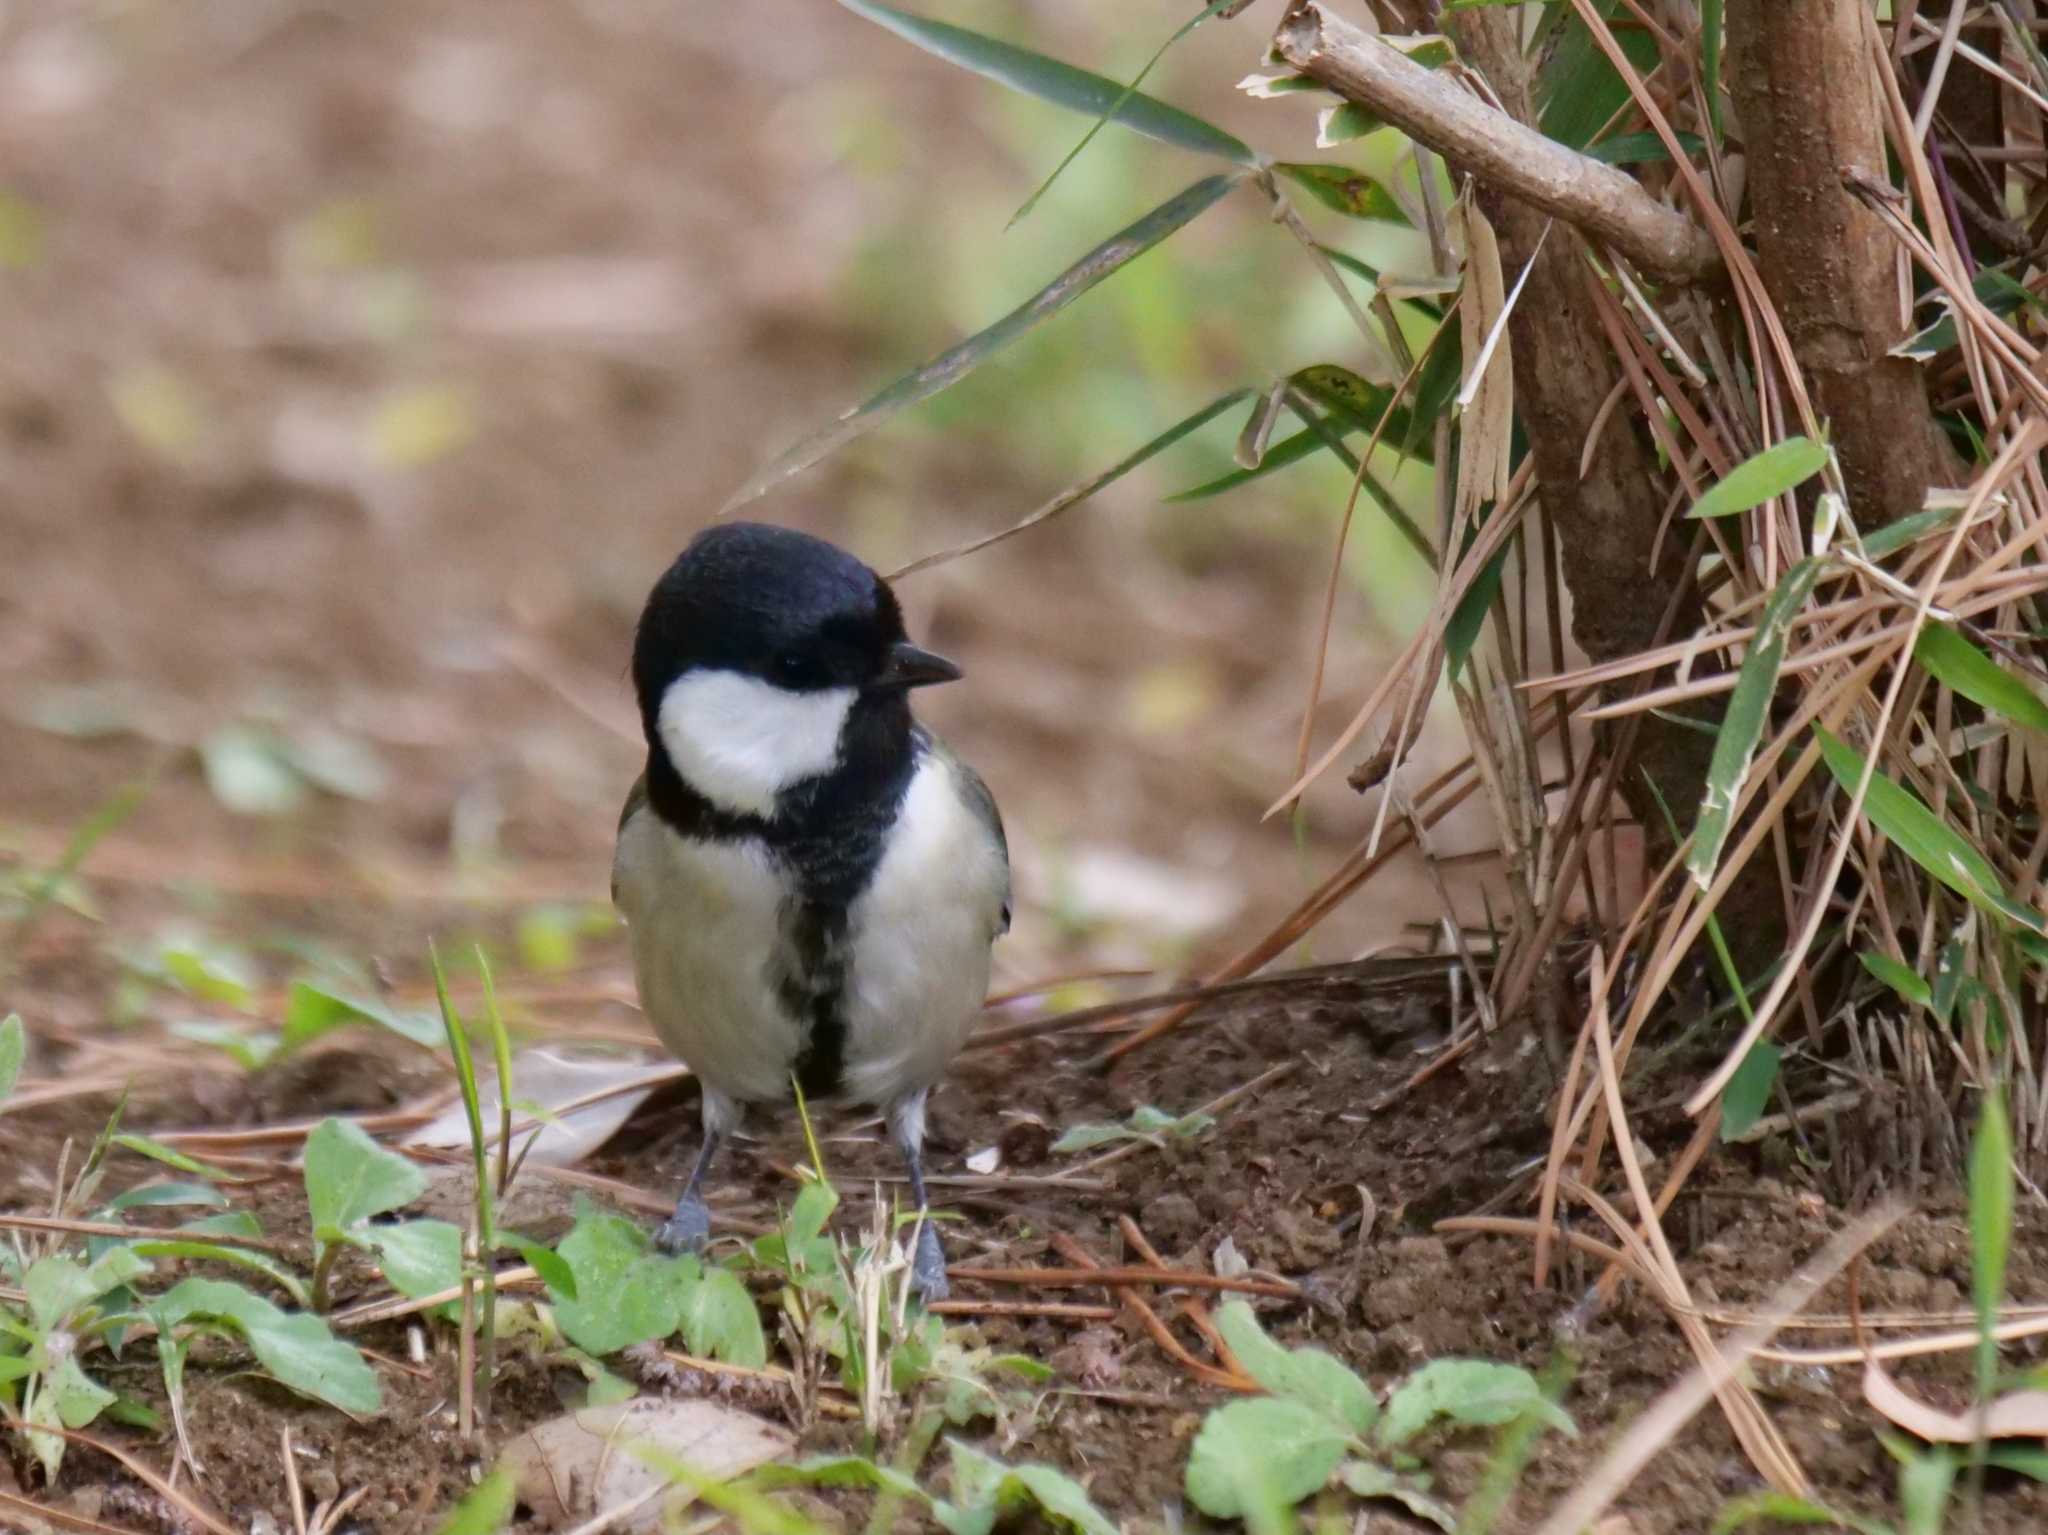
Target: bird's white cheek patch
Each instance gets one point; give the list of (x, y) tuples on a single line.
[(739, 741)]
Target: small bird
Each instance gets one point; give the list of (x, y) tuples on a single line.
[(812, 881)]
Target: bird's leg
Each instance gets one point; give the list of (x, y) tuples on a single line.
[(928, 1261), (689, 1229)]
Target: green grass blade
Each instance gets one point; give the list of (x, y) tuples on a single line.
[(1923, 836), (1061, 84), (955, 364), (1073, 495), (1109, 115), (1710, 59), (1755, 480), (1991, 1201), (1952, 659), (1742, 726)]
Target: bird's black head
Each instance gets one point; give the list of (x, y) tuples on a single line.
[(766, 657)]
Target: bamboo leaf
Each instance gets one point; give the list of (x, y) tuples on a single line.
[(951, 366), (1952, 659), (1770, 473), (1641, 148), (1109, 113), (1349, 192), (1743, 1100), (1902, 979), (1923, 836), (1742, 726), (1061, 84)]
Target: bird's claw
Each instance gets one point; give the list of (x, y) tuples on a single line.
[(686, 1231), (928, 1265)]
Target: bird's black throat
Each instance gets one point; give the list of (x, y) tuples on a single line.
[(827, 834)]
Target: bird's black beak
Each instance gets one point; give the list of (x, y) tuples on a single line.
[(909, 666)]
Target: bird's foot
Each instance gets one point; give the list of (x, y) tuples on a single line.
[(686, 1231), (928, 1265)]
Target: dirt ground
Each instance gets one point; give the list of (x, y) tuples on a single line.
[(1285, 1177), (362, 367)]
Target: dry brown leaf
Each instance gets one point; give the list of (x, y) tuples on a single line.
[(582, 1463)]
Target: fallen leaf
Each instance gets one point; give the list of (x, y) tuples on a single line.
[(583, 1463)]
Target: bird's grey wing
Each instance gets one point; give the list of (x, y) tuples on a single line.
[(983, 805), (636, 801)]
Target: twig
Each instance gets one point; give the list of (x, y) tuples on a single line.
[(1065, 1311), (1160, 1333), (1605, 202), (1087, 1278), (293, 1497)]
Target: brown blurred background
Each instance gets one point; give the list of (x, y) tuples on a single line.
[(362, 364)]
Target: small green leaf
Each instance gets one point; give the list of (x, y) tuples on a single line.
[(1368, 1480), (1755, 480), (956, 363), (815, 1202), (170, 1156), (1087, 1137), (1952, 659), (59, 1288), (1743, 724), (1901, 978), (1347, 191), (1305, 1375), (1743, 1100), (1477, 1393), (719, 1320), (625, 1294), (553, 1269), (1260, 1457), (420, 1258), (79, 1397), (216, 1252), (1923, 836), (295, 1347), (1344, 122), (1061, 84), (349, 1178), (986, 1492), (13, 1050), (486, 1508), (155, 1195), (312, 1010)]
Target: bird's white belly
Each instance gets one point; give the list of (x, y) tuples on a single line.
[(706, 919), (708, 926), (918, 941)]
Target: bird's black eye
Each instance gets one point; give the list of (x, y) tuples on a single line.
[(792, 669)]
